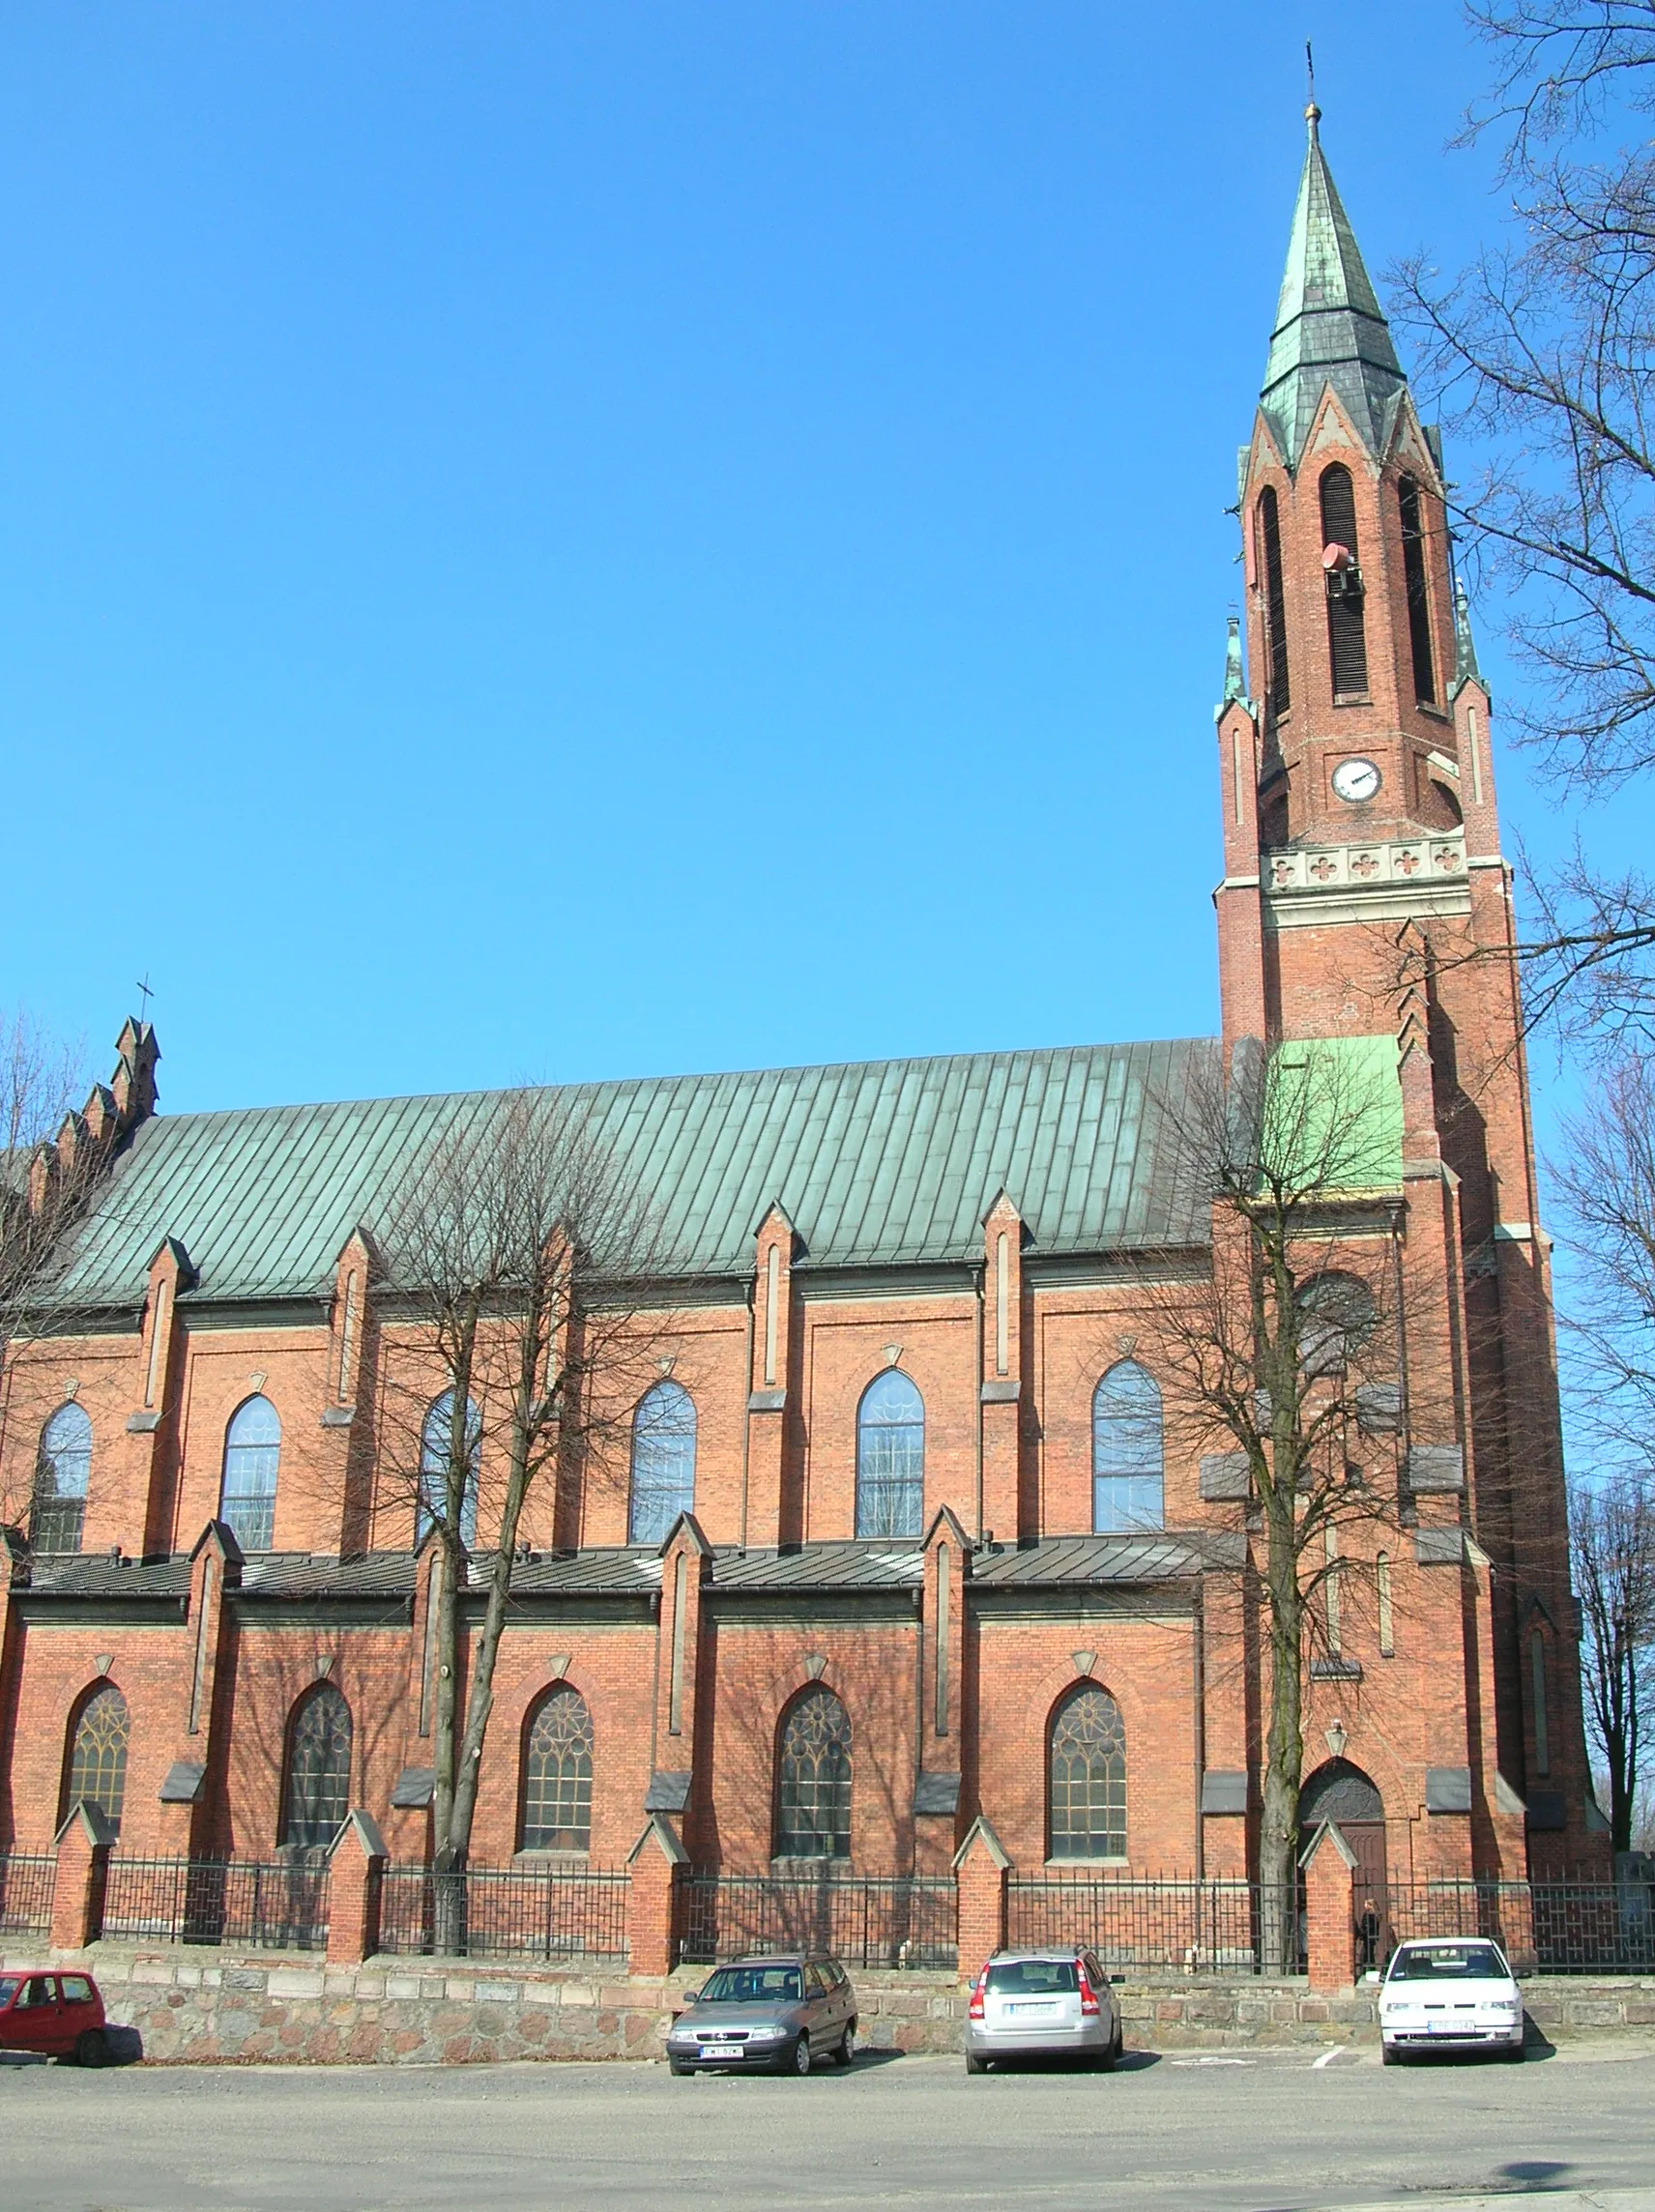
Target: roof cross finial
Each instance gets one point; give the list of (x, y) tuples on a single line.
[(1312, 114), (145, 995)]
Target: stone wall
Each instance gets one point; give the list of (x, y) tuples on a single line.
[(198, 2005)]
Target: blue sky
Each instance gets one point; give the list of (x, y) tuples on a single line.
[(565, 542)]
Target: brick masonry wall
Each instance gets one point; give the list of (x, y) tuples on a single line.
[(202, 2006)]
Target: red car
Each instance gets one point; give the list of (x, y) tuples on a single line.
[(59, 2015)]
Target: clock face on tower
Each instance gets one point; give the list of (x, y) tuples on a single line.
[(1356, 780)]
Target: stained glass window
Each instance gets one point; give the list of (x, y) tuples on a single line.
[(663, 1462), (1127, 1471), (813, 1780), (890, 1458), (63, 1468), (253, 1459), (435, 1445), (1089, 1777), (98, 1757), (557, 1775), (318, 1794)]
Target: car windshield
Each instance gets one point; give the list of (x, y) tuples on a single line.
[(1449, 1961), (9, 1987), (751, 1984), (1024, 1977)]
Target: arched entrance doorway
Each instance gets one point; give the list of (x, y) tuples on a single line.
[(1341, 1793)]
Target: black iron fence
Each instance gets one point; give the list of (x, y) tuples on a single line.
[(26, 1882), (280, 1906), (1544, 1926), (1164, 1926), (897, 1920), (498, 1912)]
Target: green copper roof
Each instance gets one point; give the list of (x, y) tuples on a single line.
[(883, 1163), (1328, 326)]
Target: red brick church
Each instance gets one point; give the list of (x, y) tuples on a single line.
[(907, 1539)]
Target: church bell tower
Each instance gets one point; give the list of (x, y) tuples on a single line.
[(1365, 894)]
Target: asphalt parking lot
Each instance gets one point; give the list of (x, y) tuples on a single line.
[(1264, 2131)]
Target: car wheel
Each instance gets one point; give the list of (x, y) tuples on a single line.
[(679, 2066), (1390, 2055), (91, 2048), (800, 2061), (975, 2064), (1513, 2054), (1107, 2060), (844, 2050)]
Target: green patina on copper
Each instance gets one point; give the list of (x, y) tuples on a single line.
[(1332, 1122), (878, 1164)]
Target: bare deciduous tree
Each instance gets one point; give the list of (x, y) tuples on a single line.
[(1296, 1154), (530, 1268), (1612, 1539), (1541, 353), (1604, 1171)]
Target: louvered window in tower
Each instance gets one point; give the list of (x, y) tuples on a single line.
[(1418, 597), (1275, 600), (1347, 632)]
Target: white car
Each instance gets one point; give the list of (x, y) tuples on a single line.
[(1449, 1993)]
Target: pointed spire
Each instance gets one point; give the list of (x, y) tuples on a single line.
[(1329, 328), (1464, 644), (1235, 682), (1233, 687)]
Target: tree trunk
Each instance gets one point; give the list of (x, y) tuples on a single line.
[(448, 1900), (1283, 1757)]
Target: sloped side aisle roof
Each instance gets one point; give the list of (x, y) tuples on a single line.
[(877, 1163)]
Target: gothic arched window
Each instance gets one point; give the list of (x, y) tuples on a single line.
[(1347, 632), (318, 1793), (557, 1774), (1275, 598), (663, 1462), (813, 1780), (1127, 1461), (1088, 1777), (436, 1442), (63, 1467), (252, 1460), (98, 1756), (1419, 591), (890, 1458)]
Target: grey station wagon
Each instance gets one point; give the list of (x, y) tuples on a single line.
[(1046, 2003), (773, 2014)]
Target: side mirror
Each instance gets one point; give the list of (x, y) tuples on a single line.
[(691, 1996)]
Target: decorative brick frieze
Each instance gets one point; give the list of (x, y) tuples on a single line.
[(1319, 884)]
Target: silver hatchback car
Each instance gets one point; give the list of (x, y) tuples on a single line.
[(1036, 2005), (774, 2014)]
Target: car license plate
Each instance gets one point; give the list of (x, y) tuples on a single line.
[(1042, 2006), (722, 2051)]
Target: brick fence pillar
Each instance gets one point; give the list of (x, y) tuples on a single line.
[(655, 1862), (356, 1875), (83, 1847), (981, 1870), (1329, 1865)]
